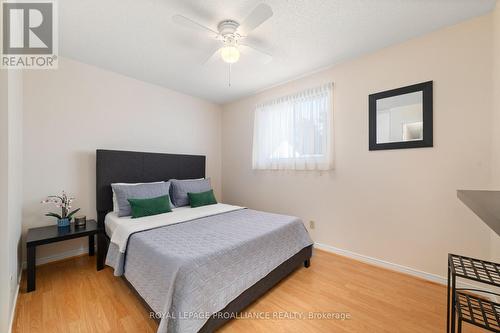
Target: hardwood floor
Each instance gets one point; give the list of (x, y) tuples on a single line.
[(71, 296)]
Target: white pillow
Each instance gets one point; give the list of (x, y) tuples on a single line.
[(115, 202)]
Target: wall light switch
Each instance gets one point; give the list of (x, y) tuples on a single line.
[(312, 224)]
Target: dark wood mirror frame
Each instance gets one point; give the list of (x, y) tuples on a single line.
[(427, 140)]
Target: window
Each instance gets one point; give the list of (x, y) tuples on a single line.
[(295, 132)]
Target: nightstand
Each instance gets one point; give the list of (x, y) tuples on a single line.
[(53, 234)]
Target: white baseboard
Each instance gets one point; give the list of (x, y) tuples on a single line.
[(13, 312), (398, 268), (59, 256)]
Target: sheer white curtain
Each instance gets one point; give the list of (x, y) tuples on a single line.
[(295, 132)]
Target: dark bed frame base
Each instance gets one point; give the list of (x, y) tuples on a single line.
[(258, 289), (303, 257), (136, 167)]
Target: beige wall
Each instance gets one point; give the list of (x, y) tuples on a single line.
[(495, 240), (15, 181), (71, 111), (496, 96), (396, 205), (11, 109), (4, 236)]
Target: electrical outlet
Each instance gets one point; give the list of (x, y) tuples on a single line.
[(312, 224)]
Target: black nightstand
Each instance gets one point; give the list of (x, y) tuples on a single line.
[(52, 234)]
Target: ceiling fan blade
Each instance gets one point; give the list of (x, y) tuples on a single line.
[(188, 23), (214, 57), (259, 15), (260, 55)]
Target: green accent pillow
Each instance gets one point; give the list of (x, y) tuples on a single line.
[(148, 207), (202, 198)]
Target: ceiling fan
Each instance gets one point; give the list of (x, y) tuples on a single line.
[(233, 36)]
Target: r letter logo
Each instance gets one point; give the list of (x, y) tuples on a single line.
[(29, 38)]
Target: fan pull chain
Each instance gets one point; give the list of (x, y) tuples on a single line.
[(229, 75)]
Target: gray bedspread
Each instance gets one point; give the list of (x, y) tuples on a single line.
[(190, 270)]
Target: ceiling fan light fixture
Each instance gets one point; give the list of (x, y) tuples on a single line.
[(230, 54)]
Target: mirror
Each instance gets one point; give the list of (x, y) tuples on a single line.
[(401, 118)]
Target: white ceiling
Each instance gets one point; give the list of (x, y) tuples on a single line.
[(137, 38)]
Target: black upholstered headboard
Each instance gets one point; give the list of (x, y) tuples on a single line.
[(115, 166)]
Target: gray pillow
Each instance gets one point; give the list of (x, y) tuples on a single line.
[(180, 189), (141, 191)]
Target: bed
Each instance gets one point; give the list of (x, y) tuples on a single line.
[(195, 268)]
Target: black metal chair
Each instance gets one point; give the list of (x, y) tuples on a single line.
[(465, 303)]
